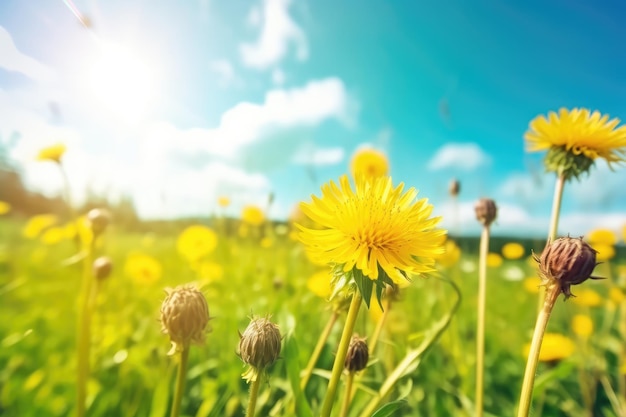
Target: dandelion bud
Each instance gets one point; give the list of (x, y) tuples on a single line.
[(454, 188), (99, 219), (567, 261), (357, 356), (184, 316), (259, 346), (102, 267), (486, 211)]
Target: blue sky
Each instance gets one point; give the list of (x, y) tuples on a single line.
[(177, 103)]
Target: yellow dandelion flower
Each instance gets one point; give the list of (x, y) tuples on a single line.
[(223, 201), (513, 250), (38, 224), (369, 163), (587, 298), (604, 252), (450, 256), (52, 153), (582, 325), (374, 227), (53, 235), (494, 260), (553, 348), (532, 284), (603, 236), (143, 269), (196, 242), (319, 283), (616, 295), (4, 207), (253, 215)]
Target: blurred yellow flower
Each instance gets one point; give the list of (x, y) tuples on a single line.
[(211, 271), (604, 252), (369, 163), (513, 250), (375, 312), (450, 256), (143, 269), (582, 325), (196, 242), (603, 236), (223, 201), (53, 235), (532, 285), (4, 207), (494, 260), (253, 215), (616, 295), (52, 153), (38, 224), (554, 347), (267, 242), (375, 227), (319, 283), (587, 298)]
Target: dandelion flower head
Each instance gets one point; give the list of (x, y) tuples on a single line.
[(369, 163), (52, 153)]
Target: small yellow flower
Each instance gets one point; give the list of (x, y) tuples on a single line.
[(375, 227), (319, 283), (144, 269), (604, 252), (38, 224), (53, 235), (587, 298), (494, 260), (253, 215), (223, 201), (196, 242), (513, 250), (603, 236), (616, 295), (554, 347), (369, 163), (532, 285), (450, 256), (52, 153), (4, 207), (582, 325)]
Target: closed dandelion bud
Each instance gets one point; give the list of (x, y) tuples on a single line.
[(567, 261), (259, 346), (184, 316), (99, 219), (357, 356), (486, 211), (454, 188), (102, 267)]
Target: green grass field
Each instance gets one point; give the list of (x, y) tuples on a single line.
[(249, 276)]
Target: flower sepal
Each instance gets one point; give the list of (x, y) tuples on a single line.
[(567, 163), (366, 285)]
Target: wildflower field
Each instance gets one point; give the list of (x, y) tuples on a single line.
[(260, 270)]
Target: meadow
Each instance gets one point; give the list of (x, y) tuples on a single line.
[(259, 269)]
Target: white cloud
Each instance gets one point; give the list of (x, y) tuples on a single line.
[(319, 156), (278, 32), (463, 156), (12, 59)]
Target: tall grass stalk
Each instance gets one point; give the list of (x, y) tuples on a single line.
[(340, 357), (308, 371), (345, 406), (480, 323), (86, 300)]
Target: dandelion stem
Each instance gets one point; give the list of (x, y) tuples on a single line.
[(552, 293), (379, 328), (340, 357), (346, 400), (318, 349), (180, 382), (480, 325), (254, 394), (556, 207), (86, 299)]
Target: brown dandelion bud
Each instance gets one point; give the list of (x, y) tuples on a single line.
[(259, 346), (102, 267), (454, 188), (99, 219), (567, 261), (486, 211), (357, 356), (184, 316)]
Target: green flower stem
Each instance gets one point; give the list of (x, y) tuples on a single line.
[(480, 325), (318, 349), (345, 406), (378, 329), (180, 382), (340, 357), (254, 394), (86, 302), (556, 207), (552, 293)]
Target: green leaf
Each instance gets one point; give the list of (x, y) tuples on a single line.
[(293, 371), (161, 397), (364, 284), (389, 409)]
